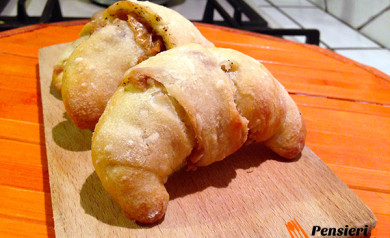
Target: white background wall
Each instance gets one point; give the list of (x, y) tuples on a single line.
[(370, 17)]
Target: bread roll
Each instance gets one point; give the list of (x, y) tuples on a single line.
[(187, 106), (122, 36)]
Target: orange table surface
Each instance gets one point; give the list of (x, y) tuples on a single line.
[(346, 106)]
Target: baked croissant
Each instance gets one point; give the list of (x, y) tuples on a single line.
[(187, 106), (122, 36)]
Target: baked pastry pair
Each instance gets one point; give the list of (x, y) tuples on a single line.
[(178, 102)]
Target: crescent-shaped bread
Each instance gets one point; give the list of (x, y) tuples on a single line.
[(125, 34), (187, 106)]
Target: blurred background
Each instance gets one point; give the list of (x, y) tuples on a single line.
[(357, 29)]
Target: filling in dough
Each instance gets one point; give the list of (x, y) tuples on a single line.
[(144, 35)]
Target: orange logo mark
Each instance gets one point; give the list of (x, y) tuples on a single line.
[(295, 229)]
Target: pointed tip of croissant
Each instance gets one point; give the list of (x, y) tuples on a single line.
[(151, 215)]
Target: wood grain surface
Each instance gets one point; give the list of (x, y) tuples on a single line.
[(347, 119), (251, 193)]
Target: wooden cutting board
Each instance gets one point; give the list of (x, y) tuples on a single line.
[(252, 193)]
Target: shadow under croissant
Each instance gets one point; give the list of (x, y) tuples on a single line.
[(66, 135), (98, 203), (219, 174), (55, 93)]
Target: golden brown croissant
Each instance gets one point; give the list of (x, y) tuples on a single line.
[(187, 106), (123, 35)]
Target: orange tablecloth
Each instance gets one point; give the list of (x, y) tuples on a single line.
[(346, 106)]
